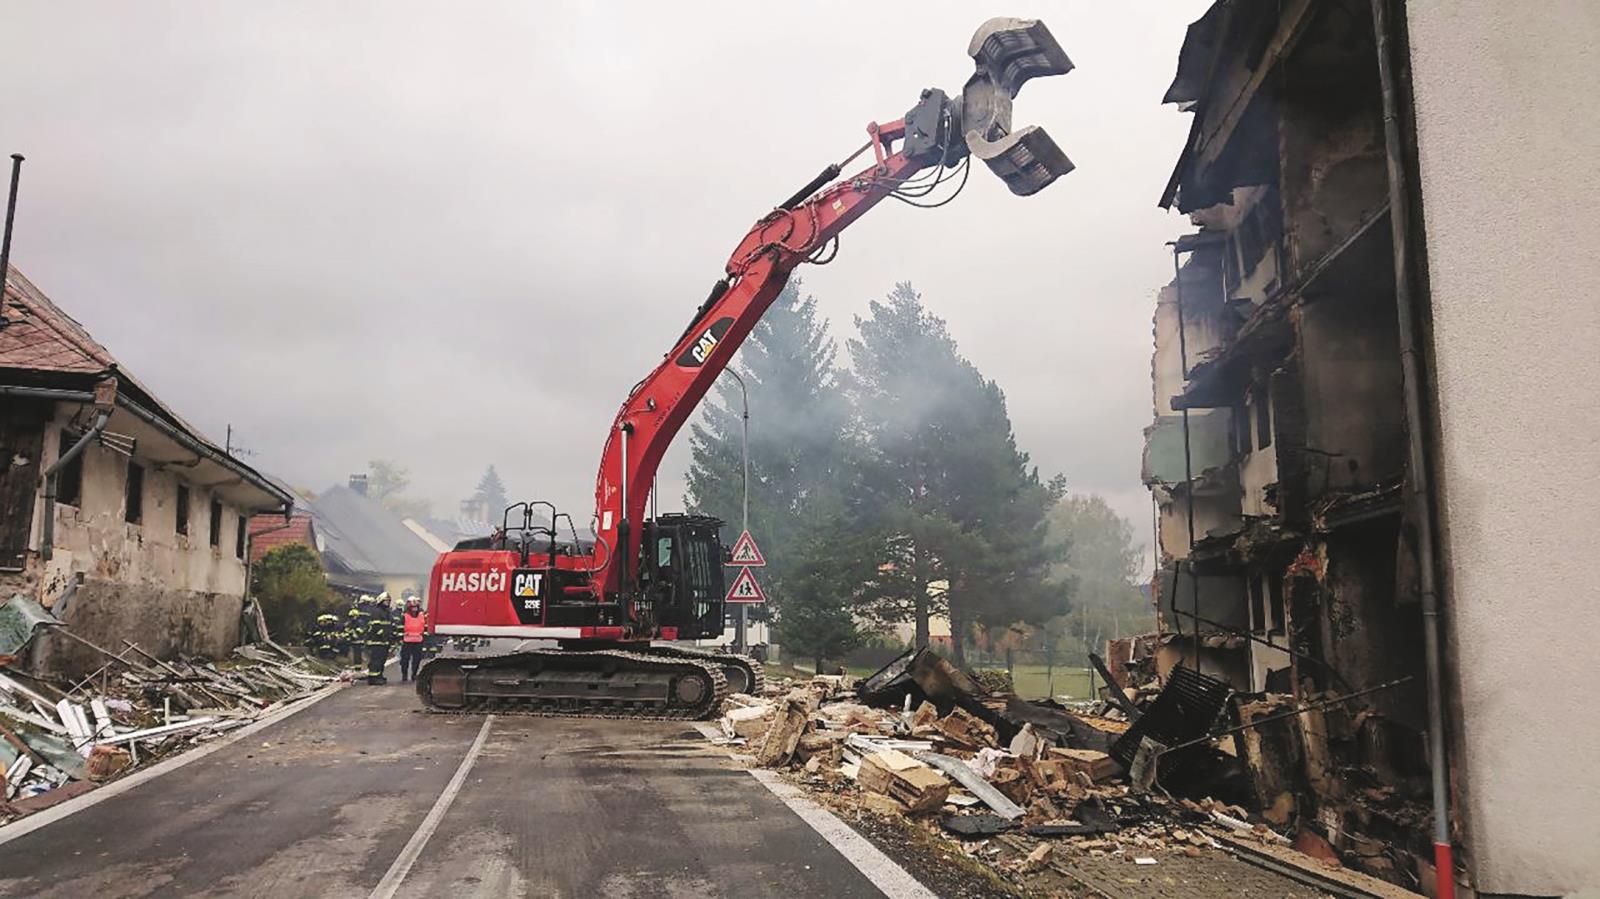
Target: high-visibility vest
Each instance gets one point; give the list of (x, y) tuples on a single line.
[(414, 627)]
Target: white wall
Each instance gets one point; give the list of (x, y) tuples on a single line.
[(1509, 142)]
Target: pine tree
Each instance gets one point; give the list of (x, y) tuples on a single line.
[(826, 581), (491, 493), (797, 428), (957, 505), (1002, 572), (907, 391)]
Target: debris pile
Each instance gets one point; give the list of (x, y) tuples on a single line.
[(1029, 789), (60, 740)]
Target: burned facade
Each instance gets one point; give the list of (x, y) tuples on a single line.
[(1278, 452), (1371, 398)]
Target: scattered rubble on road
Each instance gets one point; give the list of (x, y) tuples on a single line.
[(1039, 793), (61, 740)]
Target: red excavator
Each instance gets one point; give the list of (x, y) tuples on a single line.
[(603, 601)]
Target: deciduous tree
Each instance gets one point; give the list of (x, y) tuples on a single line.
[(289, 584), (1100, 557)]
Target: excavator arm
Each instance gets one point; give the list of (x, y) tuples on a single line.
[(756, 273), (939, 132)]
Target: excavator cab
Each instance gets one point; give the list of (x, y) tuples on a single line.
[(680, 573)]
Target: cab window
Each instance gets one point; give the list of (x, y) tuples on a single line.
[(697, 551)]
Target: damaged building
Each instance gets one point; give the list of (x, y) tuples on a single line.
[(1297, 536), (116, 515)]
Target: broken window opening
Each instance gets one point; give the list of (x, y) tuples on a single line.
[(216, 522), (69, 479), (181, 523), (1263, 408), (239, 539), (1277, 624), (133, 500), (1258, 620)]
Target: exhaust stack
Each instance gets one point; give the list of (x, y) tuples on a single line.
[(1007, 53)]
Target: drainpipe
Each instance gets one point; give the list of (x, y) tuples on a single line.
[(1420, 490), (105, 399)]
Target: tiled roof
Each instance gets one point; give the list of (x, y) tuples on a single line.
[(268, 532), (40, 337), (43, 343)]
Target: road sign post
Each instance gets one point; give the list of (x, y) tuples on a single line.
[(745, 589), (745, 552)]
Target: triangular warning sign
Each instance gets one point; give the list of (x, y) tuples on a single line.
[(745, 588), (745, 552)]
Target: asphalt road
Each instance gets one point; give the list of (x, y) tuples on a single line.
[(324, 802)]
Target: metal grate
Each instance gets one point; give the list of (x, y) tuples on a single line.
[(1184, 711)]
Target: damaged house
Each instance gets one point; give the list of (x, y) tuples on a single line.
[(1332, 357), (115, 514), (365, 547)]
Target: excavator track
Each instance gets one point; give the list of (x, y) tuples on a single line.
[(606, 683), (744, 674)]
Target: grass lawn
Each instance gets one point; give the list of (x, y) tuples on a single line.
[(1034, 682), (1030, 681)]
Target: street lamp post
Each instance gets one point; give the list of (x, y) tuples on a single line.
[(741, 623)]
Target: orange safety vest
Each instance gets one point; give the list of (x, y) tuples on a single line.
[(414, 627)]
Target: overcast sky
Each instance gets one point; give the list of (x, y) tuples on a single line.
[(456, 234)]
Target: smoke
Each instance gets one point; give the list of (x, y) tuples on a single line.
[(456, 236)]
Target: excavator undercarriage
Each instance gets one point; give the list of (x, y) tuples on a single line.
[(602, 683)]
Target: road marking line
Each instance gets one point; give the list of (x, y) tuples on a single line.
[(117, 787), (408, 856), (891, 879)]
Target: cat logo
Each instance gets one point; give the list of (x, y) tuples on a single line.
[(704, 346), (526, 587), (699, 351), (525, 584)]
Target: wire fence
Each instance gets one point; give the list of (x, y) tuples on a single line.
[(1040, 674), (1057, 673)]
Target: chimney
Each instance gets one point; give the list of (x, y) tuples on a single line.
[(358, 483)]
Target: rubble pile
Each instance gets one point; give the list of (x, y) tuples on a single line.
[(1025, 788), (60, 740)]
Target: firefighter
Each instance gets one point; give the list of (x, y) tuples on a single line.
[(314, 638), (355, 628), (397, 617), (413, 630), (380, 633), (325, 636)]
